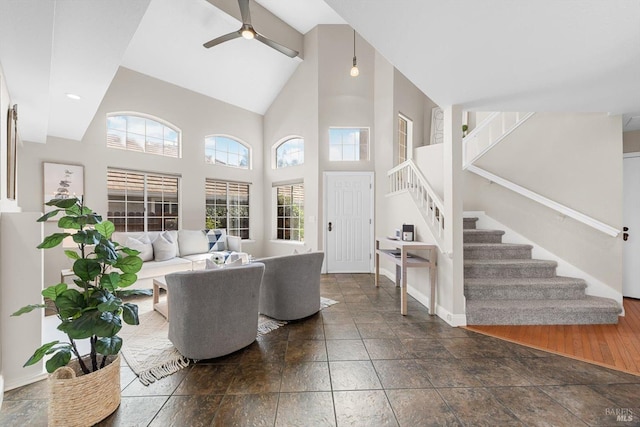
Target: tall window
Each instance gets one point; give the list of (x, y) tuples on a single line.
[(405, 129), (290, 153), (290, 212), (227, 206), (143, 134), (348, 144), (139, 201), (224, 150)]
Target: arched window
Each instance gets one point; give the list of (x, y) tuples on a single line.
[(225, 150), (290, 152), (137, 132)]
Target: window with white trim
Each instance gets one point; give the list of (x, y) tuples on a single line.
[(228, 151), (290, 153), (139, 201), (405, 135), (227, 206), (348, 144), (290, 212), (143, 134)]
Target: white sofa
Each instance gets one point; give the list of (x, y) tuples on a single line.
[(192, 249)]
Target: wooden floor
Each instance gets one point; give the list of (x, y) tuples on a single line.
[(614, 346)]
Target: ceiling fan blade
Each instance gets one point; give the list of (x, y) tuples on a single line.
[(222, 39), (277, 46), (244, 11)]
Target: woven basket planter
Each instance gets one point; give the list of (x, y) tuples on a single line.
[(82, 400)]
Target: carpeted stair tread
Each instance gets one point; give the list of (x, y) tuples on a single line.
[(510, 262), (544, 288), (496, 251), (589, 310), (527, 281), (482, 236)]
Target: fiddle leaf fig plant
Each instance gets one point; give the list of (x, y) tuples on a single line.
[(94, 310)]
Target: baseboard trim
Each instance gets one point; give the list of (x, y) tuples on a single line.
[(19, 382), (454, 320)]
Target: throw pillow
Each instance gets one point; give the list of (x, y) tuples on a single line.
[(164, 247), (142, 245), (192, 242), (217, 239)]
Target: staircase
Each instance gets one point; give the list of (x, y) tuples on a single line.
[(503, 285)]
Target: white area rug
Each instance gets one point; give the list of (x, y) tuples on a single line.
[(150, 354)]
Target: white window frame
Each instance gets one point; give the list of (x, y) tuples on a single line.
[(230, 230), (368, 148), (145, 201), (277, 145), (276, 216), (144, 116), (234, 139), (409, 137)]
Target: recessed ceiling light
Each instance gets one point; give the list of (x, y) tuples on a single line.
[(73, 96)]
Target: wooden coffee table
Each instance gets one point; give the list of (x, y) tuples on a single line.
[(160, 307)]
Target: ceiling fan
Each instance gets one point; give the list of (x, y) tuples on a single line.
[(248, 32)]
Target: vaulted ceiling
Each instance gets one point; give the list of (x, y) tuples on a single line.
[(543, 55)]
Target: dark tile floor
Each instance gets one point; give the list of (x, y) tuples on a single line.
[(361, 363)]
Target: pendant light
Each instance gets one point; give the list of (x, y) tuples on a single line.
[(354, 70)]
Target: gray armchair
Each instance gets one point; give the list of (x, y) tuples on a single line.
[(214, 312), (291, 286)]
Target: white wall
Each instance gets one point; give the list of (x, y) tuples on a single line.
[(573, 159), (197, 116), (293, 112)]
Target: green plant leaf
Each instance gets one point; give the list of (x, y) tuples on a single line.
[(111, 303), (53, 240), (69, 222), (87, 269), (71, 254), (110, 281), (73, 210), (129, 251), (94, 218), (87, 237), (129, 264), (109, 345), (62, 203), (28, 309), (52, 292), (40, 353), (106, 228), (48, 215), (70, 303), (130, 314), (92, 322), (106, 251), (59, 359), (127, 279), (133, 292)]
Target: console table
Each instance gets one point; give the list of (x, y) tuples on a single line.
[(403, 260), (160, 307)]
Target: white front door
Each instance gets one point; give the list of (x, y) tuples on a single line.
[(348, 221), (631, 220)]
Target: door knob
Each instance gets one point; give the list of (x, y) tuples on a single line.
[(330, 227), (625, 235)]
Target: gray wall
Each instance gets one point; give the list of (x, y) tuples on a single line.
[(631, 141)]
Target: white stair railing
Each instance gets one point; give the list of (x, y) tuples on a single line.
[(489, 133), (407, 177)]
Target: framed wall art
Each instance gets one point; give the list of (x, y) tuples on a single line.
[(62, 182)]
